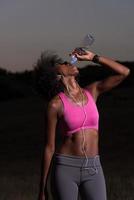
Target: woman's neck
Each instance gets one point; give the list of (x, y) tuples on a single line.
[(72, 87)]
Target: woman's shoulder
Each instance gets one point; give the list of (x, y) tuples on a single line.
[(55, 102)]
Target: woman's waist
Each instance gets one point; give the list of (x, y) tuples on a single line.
[(78, 161), (76, 149), (78, 152)]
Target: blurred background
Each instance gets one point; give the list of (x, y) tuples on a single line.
[(29, 28)]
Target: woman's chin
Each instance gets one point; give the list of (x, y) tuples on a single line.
[(76, 73)]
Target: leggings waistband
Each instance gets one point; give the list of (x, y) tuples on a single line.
[(77, 161)]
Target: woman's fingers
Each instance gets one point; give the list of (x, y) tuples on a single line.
[(82, 55)]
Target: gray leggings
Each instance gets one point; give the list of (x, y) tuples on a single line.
[(70, 176)]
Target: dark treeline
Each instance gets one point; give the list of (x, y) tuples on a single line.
[(15, 85), (22, 84)]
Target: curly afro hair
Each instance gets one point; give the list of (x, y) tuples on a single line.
[(45, 75)]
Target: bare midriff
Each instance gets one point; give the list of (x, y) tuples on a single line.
[(72, 145)]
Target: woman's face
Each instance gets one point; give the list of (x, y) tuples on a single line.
[(67, 69)]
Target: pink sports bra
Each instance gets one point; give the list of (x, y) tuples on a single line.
[(74, 115)]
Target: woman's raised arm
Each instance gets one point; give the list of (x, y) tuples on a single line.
[(108, 83)]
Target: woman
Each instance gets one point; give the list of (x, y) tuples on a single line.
[(77, 164)]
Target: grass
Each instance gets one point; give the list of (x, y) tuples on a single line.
[(19, 181), (120, 179), (21, 145)]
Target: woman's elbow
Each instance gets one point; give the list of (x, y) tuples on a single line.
[(126, 72)]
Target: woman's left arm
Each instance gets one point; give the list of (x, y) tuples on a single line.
[(111, 81), (108, 83)]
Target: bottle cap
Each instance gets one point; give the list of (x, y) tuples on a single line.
[(73, 59)]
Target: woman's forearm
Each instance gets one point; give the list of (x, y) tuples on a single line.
[(119, 68), (47, 158), (90, 56)]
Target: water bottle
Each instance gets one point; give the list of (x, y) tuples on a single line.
[(86, 43)]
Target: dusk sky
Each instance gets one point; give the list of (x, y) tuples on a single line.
[(28, 27)]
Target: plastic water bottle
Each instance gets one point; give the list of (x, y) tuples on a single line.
[(86, 43)]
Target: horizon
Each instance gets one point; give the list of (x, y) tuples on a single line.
[(80, 67)]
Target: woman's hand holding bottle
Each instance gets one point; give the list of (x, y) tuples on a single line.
[(83, 55)]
